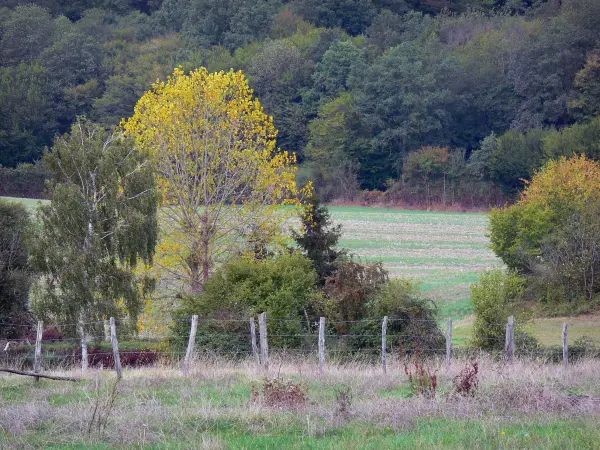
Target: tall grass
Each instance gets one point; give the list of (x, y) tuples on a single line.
[(526, 404)]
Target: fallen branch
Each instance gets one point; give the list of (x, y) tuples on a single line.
[(39, 375)]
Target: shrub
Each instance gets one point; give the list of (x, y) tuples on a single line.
[(52, 334), (350, 289), (279, 393), (466, 382), (422, 380), (27, 180), (412, 325), (343, 402), (15, 275), (283, 287), (553, 234), (495, 298)]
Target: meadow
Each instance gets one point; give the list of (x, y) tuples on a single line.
[(523, 405), (444, 251), (223, 404)]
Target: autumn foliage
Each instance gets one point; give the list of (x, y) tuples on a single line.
[(552, 234), (221, 176)]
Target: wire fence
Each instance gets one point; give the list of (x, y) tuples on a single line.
[(116, 342)]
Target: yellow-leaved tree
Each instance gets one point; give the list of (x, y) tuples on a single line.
[(223, 181)]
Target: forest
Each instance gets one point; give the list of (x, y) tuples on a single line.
[(410, 101)]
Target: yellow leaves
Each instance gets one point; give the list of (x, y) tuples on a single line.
[(576, 179), (219, 171)]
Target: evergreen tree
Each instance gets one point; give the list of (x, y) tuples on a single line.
[(319, 239)]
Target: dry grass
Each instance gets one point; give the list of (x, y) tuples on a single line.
[(214, 403)]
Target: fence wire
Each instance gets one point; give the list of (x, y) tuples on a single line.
[(344, 340)]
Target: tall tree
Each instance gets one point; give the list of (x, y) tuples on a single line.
[(334, 147), (279, 73), (404, 100), (100, 224), (222, 179), (15, 274), (587, 84), (27, 119)]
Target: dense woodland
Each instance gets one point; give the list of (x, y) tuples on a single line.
[(413, 101)]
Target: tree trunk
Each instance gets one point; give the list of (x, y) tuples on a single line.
[(205, 247), (194, 264)]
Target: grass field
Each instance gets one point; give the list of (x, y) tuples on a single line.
[(444, 251), (526, 405)]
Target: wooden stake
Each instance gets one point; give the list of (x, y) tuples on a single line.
[(191, 342), (384, 344), (106, 331), (84, 352), (115, 348), (449, 345), (37, 362), (565, 343), (321, 345), (253, 341), (510, 339), (264, 346)]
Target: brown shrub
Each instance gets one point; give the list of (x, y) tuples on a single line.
[(277, 393), (466, 382), (422, 380)]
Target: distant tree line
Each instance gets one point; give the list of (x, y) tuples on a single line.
[(429, 101)]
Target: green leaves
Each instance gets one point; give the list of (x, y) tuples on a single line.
[(100, 223)]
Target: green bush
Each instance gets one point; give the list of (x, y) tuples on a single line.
[(26, 180), (495, 298), (283, 287), (412, 324), (363, 297)]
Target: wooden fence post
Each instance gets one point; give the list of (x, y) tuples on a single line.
[(106, 325), (264, 348), (84, 353), (115, 348), (190, 347), (384, 344), (449, 345), (321, 345), (510, 339), (565, 343), (37, 362), (253, 341)]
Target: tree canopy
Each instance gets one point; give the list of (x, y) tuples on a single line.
[(382, 78), (100, 224), (220, 174)]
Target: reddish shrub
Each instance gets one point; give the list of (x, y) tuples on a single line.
[(132, 358), (52, 335), (421, 379), (466, 382)]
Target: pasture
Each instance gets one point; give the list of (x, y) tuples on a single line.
[(444, 251), (223, 405)]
